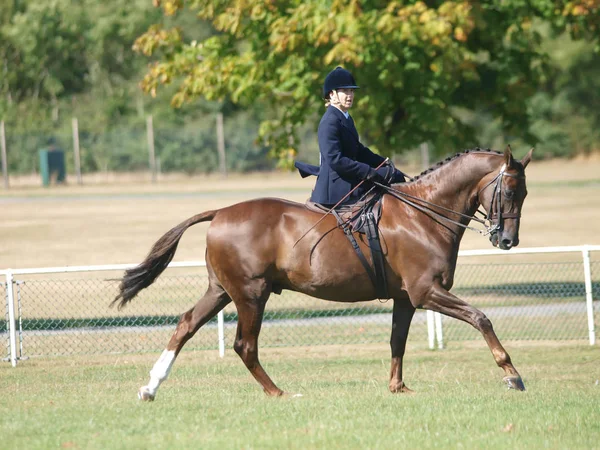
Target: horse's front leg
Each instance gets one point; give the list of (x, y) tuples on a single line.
[(439, 299), (401, 318)]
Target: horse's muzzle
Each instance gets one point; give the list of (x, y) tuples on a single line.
[(503, 242)]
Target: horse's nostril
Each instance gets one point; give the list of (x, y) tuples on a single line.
[(507, 243)]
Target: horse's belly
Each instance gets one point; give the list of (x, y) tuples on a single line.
[(330, 281)]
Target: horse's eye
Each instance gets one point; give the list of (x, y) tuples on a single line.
[(509, 194)]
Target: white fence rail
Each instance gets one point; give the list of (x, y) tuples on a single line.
[(525, 300)]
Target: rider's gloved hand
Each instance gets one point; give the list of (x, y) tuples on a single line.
[(398, 177), (381, 176), (395, 175)]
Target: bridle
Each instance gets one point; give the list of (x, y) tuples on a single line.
[(493, 220), (495, 216)]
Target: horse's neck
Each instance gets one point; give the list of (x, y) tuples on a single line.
[(455, 185)]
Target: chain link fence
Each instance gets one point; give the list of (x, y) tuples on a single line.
[(68, 314), (187, 148), (65, 315), (534, 301)]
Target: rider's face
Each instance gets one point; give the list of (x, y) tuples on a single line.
[(343, 98)]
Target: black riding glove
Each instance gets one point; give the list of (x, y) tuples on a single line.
[(380, 176), (394, 175), (399, 176)]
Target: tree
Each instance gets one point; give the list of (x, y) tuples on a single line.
[(418, 62), (46, 43), (564, 113)]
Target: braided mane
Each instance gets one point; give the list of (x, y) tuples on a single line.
[(452, 158)]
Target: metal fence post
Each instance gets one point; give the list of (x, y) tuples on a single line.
[(221, 327), (20, 313), (439, 329), (431, 329), (12, 332), (6, 319), (589, 299)]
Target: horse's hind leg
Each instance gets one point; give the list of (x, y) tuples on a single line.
[(401, 318), (213, 301), (440, 300), (250, 302)]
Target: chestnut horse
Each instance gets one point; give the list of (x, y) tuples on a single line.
[(254, 248)]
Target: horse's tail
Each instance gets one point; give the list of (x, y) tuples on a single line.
[(156, 262)]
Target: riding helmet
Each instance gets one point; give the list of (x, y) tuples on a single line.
[(338, 78)]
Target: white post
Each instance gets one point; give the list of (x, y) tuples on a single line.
[(439, 330), (589, 299), (75, 126), (152, 156), (431, 329), (221, 144), (11, 319), (3, 150), (221, 326)]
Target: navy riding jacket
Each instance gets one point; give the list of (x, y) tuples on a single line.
[(345, 162)]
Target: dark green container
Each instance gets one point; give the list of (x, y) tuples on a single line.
[(52, 166)]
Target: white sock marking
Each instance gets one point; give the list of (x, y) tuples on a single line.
[(160, 371)]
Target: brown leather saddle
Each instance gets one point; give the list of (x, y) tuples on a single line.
[(362, 217), (352, 216)]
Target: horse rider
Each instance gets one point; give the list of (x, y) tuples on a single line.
[(345, 162)]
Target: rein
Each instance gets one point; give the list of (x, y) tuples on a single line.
[(491, 228)]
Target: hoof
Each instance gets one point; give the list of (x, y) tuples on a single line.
[(515, 383), (145, 395), (290, 395), (401, 389)]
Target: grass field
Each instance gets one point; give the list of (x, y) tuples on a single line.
[(215, 404)]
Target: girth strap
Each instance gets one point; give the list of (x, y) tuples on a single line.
[(348, 232), (378, 278), (377, 256)]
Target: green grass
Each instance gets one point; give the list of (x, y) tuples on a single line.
[(212, 403)]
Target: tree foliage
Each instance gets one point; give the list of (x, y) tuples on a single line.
[(417, 62), (61, 59), (455, 74), (48, 42)]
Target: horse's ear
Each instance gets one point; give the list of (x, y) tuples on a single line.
[(508, 158), (527, 158)]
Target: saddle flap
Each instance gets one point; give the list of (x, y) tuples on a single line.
[(356, 219)]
